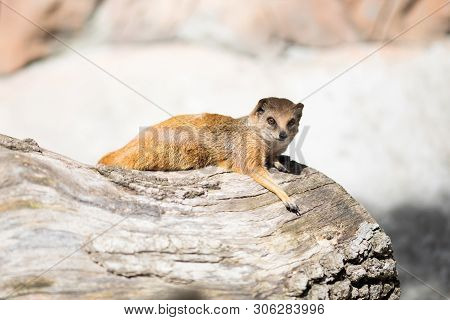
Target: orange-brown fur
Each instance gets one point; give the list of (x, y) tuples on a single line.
[(245, 145)]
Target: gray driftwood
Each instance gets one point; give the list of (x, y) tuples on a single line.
[(73, 231)]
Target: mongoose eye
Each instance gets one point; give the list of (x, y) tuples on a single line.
[(291, 123), (271, 121)]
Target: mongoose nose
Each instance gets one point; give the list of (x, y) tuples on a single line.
[(283, 135)]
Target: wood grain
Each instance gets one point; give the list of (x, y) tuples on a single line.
[(74, 231)]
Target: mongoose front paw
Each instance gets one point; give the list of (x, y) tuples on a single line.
[(292, 207), (280, 167)]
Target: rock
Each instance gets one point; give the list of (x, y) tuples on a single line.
[(376, 268), (250, 26), (355, 272), (387, 288), (297, 284), (95, 232), (22, 40), (363, 292), (341, 290), (253, 26), (354, 293), (381, 244), (318, 292), (256, 26), (375, 291), (382, 20), (332, 263)]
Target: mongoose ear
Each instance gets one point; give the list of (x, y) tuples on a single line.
[(260, 107), (298, 109)]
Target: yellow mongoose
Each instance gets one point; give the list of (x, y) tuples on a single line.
[(245, 145)]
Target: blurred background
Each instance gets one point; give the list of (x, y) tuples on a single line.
[(377, 114)]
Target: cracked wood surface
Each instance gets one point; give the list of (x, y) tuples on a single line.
[(74, 231)]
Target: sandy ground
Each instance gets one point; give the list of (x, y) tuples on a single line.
[(381, 130)]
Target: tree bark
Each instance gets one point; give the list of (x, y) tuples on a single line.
[(74, 231)]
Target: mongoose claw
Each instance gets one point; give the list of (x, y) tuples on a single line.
[(280, 167), (292, 207)]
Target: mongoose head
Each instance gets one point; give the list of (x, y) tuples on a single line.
[(278, 120)]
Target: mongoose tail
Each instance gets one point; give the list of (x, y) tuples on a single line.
[(107, 159)]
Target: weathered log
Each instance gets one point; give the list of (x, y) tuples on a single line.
[(73, 231)]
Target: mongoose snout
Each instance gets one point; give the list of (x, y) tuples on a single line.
[(283, 135)]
